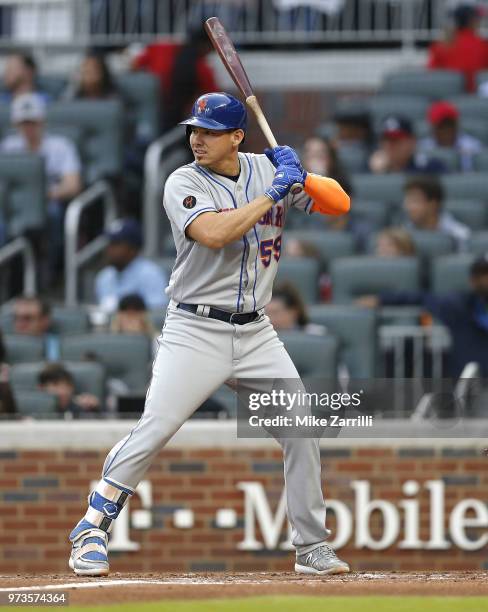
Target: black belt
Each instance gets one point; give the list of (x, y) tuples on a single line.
[(239, 318)]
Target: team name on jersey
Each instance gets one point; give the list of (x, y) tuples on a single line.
[(274, 216)]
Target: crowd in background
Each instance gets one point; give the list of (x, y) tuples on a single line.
[(129, 286)]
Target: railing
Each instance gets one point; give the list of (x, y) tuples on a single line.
[(21, 246), (75, 259), (119, 22), (162, 157)]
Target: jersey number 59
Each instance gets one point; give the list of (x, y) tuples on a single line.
[(269, 248)]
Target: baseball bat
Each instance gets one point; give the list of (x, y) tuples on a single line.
[(232, 62)]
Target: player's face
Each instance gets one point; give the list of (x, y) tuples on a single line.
[(211, 147)]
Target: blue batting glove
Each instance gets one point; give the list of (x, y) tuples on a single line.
[(284, 178), (285, 156)]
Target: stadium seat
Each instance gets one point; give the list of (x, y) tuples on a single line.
[(65, 320), (36, 404), (125, 356), (481, 160), (157, 317), (467, 185), (52, 84), (303, 273), (379, 187), (471, 106), (449, 157), (313, 356), (355, 276), (141, 92), (478, 243), (413, 107), (21, 348), (450, 273), (471, 212), (432, 84), (328, 243), (378, 214), (430, 244), (5, 124), (89, 376), (355, 328), (24, 200), (101, 125)]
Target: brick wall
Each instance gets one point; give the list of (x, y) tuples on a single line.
[(43, 494)]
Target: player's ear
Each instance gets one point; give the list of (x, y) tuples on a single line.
[(238, 137)]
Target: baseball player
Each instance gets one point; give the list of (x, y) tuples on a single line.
[(227, 211)]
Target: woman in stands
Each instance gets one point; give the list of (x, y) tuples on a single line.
[(93, 81)]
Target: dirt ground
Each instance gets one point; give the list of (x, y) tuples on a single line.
[(153, 587)]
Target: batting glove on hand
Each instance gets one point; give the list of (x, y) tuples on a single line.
[(284, 178), (286, 156)]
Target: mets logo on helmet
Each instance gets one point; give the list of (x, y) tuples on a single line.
[(202, 105)]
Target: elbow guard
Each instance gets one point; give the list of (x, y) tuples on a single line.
[(328, 196)]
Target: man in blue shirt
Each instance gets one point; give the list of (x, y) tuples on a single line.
[(128, 272)]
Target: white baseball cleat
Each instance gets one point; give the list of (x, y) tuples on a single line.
[(321, 560), (89, 553)]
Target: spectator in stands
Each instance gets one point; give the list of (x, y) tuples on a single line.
[(444, 119), (464, 314), (394, 242), (287, 311), (63, 167), (7, 401), (32, 316), (320, 157), (93, 81), (56, 380), (132, 317), (184, 73), (397, 150), (465, 50), (353, 128), (19, 77), (423, 205), (128, 272)]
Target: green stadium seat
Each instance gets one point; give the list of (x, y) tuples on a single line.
[(52, 84), (21, 348), (364, 275), (24, 200), (430, 244), (329, 244), (471, 106), (65, 320), (355, 328), (88, 376), (141, 93), (36, 404), (303, 273), (125, 356), (472, 213), (449, 157), (466, 185), (353, 157), (313, 356), (379, 187), (101, 125), (478, 243), (481, 160), (450, 273), (413, 107), (432, 84), (378, 214)]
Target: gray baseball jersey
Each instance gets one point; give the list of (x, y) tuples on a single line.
[(238, 277)]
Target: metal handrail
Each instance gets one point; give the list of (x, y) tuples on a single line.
[(156, 172), (22, 246), (75, 259)]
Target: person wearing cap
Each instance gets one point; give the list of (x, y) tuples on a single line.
[(397, 151), (127, 271), (465, 50), (465, 314), (62, 164), (444, 120)]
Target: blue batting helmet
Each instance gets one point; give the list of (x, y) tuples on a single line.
[(218, 111)]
